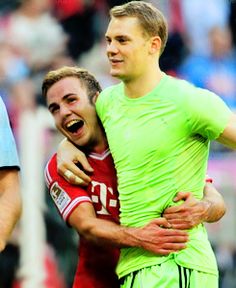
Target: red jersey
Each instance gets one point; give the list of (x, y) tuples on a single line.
[(96, 265)]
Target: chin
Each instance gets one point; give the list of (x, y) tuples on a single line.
[(117, 75), (114, 72)]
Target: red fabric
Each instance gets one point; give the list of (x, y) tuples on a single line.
[(96, 266), (54, 277), (65, 8), (176, 18)]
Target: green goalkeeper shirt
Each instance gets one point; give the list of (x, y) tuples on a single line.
[(160, 146)]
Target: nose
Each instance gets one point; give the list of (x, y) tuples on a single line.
[(111, 48), (65, 111)]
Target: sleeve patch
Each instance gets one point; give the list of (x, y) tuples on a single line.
[(59, 196)]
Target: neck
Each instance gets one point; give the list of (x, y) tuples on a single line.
[(100, 147), (143, 84), (97, 145)]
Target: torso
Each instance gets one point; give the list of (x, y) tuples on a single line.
[(165, 143), (96, 267)]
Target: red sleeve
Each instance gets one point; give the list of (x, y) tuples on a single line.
[(65, 196)]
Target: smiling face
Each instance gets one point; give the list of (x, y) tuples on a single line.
[(73, 113), (127, 48), (136, 36)]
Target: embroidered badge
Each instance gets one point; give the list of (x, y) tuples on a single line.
[(59, 196)]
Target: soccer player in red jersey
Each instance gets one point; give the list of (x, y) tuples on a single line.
[(94, 210)]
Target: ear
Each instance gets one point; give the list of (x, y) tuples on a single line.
[(95, 96), (155, 46)]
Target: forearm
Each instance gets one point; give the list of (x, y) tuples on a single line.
[(151, 237), (10, 205), (215, 203), (103, 232)]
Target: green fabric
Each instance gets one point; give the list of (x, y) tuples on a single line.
[(169, 275), (160, 145)]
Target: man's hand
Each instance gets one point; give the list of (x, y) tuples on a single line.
[(187, 215), (158, 238), (193, 212), (68, 160)]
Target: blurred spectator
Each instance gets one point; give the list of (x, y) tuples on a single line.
[(112, 3), (99, 66), (175, 50), (232, 20), (224, 256), (6, 6), (43, 38), (217, 71), (16, 89), (31, 41), (9, 261), (13, 69), (78, 18), (53, 278), (199, 18)]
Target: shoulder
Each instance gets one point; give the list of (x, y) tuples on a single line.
[(65, 196), (110, 91), (183, 90)]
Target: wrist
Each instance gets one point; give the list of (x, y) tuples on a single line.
[(132, 237)]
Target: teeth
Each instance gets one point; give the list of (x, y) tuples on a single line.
[(72, 123)]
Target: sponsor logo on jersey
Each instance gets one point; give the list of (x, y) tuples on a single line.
[(59, 196), (104, 197)]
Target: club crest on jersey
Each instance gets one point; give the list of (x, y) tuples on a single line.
[(59, 196)]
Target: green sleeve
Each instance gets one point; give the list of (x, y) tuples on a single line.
[(207, 114)]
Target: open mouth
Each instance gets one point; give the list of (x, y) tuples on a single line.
[(74, 125)]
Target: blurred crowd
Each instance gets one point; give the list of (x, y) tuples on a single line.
[(39, 35)]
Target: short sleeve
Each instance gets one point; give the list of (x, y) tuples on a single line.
[(65, 196), (207, 114)]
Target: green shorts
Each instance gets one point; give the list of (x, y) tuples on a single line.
[(169, 275)]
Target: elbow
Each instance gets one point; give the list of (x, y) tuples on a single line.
[(220, 212)]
